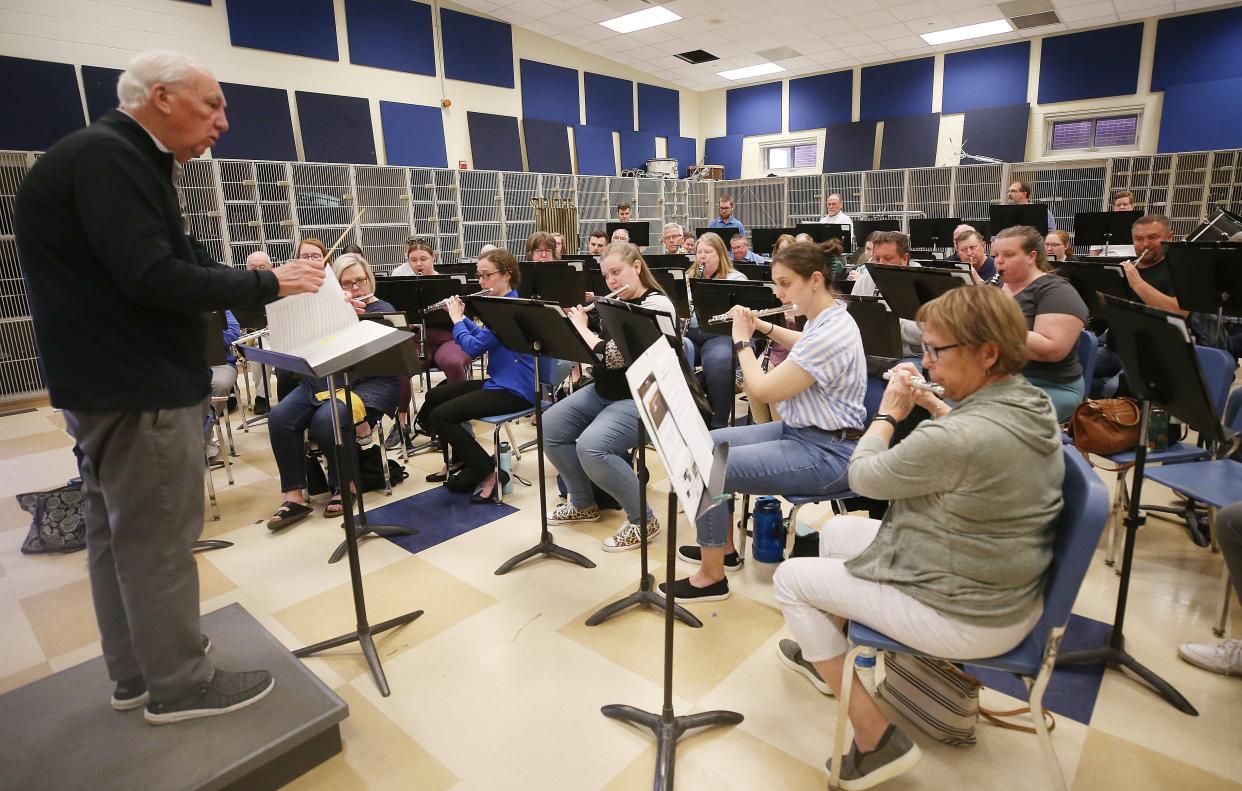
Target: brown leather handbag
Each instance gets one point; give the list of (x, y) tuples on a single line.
[(1105, 426)]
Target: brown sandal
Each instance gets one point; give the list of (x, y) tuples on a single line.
[(288, 513), (333, 508)]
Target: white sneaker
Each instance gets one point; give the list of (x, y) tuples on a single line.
[(1224, 657), (628, 536)]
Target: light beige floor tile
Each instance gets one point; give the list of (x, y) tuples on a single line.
[(31, 574), (34, 443), (21, 646), (1111, 762), (25, 676), (63, 619), (25, 424), (35, 472)]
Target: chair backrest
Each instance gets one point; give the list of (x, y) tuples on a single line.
[(1084, 513), (875, 392), (552, 371), (1218, 366), (1088, 347)]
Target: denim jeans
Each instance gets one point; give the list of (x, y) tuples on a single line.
[(715, 355), (295, 414), (773, 458), (585, 437)]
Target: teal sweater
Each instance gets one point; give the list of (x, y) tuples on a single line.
[(974, 496)]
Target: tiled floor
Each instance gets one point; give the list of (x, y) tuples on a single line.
[(499, 684)]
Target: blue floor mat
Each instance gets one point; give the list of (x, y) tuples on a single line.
[(438, 515)]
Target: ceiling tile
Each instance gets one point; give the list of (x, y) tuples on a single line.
[(975, 15), (868, 50), (884, 33), (928, 24), (916, 10), (872, 19), (1072, 12), (1154, 6)]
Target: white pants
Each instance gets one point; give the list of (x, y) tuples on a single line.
[(812, 590)]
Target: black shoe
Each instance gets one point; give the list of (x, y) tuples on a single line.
[(132, 692), (437, 477), (684, 592), (464, 480), (260, 406), (694, 554), (501, 481), (223, 693), (232, 403), (396, 435)]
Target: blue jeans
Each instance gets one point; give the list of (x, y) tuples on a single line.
[(715, 355), (585, 437), (773, 458), (290, 418)]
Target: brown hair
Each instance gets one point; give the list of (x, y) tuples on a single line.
[(1148, 219), (1064, 237), (804, 259), (780, 242), (726, 198), (1031, 242), (714, 241), (975, 316), (1023, 187), (419, 243), (962, 236), (631, 255), (505, 264), (623, 207), (540, 240), (892, 237), (1122, 194), (597, 234), (313, 241)]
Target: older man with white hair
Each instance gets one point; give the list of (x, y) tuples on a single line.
[(101, 234), (836, 216)]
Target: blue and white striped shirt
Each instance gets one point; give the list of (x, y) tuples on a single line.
[(831, 351)]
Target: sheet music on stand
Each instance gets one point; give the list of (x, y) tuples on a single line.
[(320, 326), (694, 462)]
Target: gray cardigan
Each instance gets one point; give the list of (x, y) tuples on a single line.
[(974, 496)]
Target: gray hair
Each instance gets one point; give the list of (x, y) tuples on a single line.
[(148, 69), (669, 225)]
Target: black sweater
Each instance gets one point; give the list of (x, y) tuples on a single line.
[(117, 289)]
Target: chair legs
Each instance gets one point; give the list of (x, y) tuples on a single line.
[(1222, 612), (517, 451), (843, 715), (1037, 689), (1121, 505), (497, 489)]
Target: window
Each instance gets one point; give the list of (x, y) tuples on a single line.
[(790, 157), (1093, 133)]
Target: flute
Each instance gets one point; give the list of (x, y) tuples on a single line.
[(725, 317), (444, 302), (609, 295), (919, 383)]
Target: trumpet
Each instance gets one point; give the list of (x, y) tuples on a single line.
[(609, 295), (442, 304), (725, 317), (919, 383)]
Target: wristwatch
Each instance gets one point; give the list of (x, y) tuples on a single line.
[(886, 418), (739, 345)]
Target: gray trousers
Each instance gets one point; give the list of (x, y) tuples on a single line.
[(142, 483)]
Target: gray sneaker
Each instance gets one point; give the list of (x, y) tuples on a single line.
[(224, 692), (790, 654), (895, 755), (628, 536), (565, 513)]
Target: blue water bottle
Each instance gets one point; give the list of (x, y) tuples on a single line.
[(506, 464), (769, 530)]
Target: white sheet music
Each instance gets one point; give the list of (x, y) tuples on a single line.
[(297, 322)]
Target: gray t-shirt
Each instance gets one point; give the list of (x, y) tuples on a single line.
[(1051, 294)]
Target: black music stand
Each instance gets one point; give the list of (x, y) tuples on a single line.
[(252, 320), (466, 268), (1104, 228), (216, 355), (640, 232), (561, 282), (725, 233), (758, 272), (984, 227), (877, 324), (347, 467), (933, 232), (667, 261), (864, 228), (532, 327), (674, 283), (1161, 366), (764, 238), (1007, 215), (823, 231), (906, 288), (634, 329), (1092, 281), (1207, 278), (713, 297)]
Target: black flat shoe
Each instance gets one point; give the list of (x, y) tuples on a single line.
[(462, 481), (494, 497), (437, 477)]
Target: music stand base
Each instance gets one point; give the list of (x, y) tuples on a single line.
[(668, 729), (364, 637), (1113, 655), (548, 549), (208, 544), (645, 595), (378, 531)]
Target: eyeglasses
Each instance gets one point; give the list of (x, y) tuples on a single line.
[(350, 285), (315, 256), (933, 352), (486, 275)]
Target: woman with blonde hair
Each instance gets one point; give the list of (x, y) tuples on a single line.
[(713, 352)]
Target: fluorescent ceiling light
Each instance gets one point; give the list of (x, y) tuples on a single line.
[(641, 20), (750, 71), (969, 31)]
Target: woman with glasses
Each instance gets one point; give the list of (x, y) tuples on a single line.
[(956, 568), (1057, 246), (311, 407), (540, 246), (509, 387), (311, 249)]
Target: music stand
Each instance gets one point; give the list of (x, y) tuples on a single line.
[(763, 238), (634, 329), (934, 232), (673, 281), (251, 320), (1103, 228), (713, 297), (667, 261), (725, 233), (640, 232), (562, 282), (906, 288), (878, 325), (984, 227), (1092, 281), (466, 268), (1007, 215), (864, 228), (823, 231), (1161, 366), (1207, 278), (585, 258), (532, 327), (757, 272)]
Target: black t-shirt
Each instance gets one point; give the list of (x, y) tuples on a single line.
[(1159, 277), (1051, 294)]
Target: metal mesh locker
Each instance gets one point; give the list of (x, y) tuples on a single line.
[(324, 201), (757, 203), (1188, 191), (241, 209), (805, 196), (384, 206), (448, 212), (592, 205), (848, 186), (518, 189), (977, 187), (1221, 180), (699, 208), (481, 211), (201, 190), (650, 208), (1077, 189), (621, 189), (930, 191), (20, 376), (884, 192)]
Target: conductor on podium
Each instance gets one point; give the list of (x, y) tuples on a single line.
[(118, 291)]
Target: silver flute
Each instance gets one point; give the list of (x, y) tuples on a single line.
[(725, 317), (614, 293), (442, 304), (919, 383)]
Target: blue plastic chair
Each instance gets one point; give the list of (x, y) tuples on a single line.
[(1088, 348), (551, 372), (1084, 513)]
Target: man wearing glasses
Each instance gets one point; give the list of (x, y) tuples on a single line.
[(1019, 194), (673, 235)]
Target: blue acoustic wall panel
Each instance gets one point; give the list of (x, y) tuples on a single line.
[(998, 132), (896, 90), (636, 149), (609, 101), (1184, 126), (476, 49), (725, 151), (413, 135), (259, 124), (849, 147), (391, 34), (595, 154), (1198, 48), (659, 110), (42, 103), (1091, 64), (988, 77), (753, 110), (547, 146), (335, 128), (685, 151), (494, 141), (549, 93), (295, 27), (820, 101), (100, 86), (910, 142)]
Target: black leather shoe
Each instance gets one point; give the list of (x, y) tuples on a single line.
[(463, 480), (494, 497), (260, 406)]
